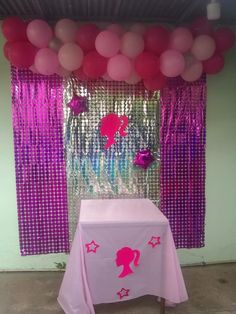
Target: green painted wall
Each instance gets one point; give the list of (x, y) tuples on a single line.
[(220, 185)]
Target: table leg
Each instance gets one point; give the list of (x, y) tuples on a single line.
[(162, 306)]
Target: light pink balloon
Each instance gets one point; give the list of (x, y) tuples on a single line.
[(63, 72), (39, 33), (106, 77), (172, 63), (70, 56), (107, 44), (181, 39), (55, 44), (65, 30), (132, 44), (134, 78), (193, 69), (117, 29), (203, 47), (138, 28), (33, 69), (46, 61), (119, 68)]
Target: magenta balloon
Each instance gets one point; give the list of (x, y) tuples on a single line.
[(132, 44), (181, 39), (138, 28), (203, 47), (193, 70), (224, 38), (46, 61), (66, 30), (214, 65), (107, 44), (117, 29), (14, 29), (22, 54), (70, 56), (39, 33), (172, 63), (119, 68)]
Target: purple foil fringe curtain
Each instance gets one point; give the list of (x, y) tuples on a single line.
[(40, 164), (182, 176)]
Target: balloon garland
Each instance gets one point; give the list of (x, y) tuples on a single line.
[(148, 54)]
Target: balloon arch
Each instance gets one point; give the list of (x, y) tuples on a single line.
[(141, 53)]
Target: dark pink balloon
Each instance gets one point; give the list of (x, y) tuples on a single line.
[(156, 39), (214, 65), (201, 26), (86, 36), (14, 29), (156, 83), (22, 54), (147, 65), (6, 49), (224, 38), (94, 65)]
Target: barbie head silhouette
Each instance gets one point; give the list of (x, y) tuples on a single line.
[(111, 124), (124, 257)]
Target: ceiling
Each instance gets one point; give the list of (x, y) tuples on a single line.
[(165, 11)]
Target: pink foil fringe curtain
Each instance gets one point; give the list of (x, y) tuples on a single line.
[(182, 177), (40, 164)]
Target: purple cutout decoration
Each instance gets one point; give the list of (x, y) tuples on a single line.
[(144, 158), (40, 164), (78, 104), (182, 177)]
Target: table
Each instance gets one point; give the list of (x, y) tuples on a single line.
[(122, 249)]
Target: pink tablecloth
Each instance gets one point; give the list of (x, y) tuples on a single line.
[(123, 249)]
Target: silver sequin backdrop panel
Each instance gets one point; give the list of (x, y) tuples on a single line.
[(95, 172)]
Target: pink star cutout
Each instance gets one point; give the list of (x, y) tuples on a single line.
[(123, 293), (154, 241), (92, 247)]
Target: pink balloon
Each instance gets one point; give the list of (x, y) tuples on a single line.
[(86, 36), (55, 44), (14, 29), (33, 69), (132, 45), (214, 65), (224, 38), (147, 65), (119, 68), (134, 78), (65, 30), (172, 63), (116, 29), (138, 28), (46, 61), (106, 77), (203, 47), (39, 33), (70, 56), (21, 54), (193, 69), (156, 39), (94, 65), (155, 83), (181, 39), (107, 44)]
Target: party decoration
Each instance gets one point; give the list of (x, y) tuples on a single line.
[(70, 56), (39, 33), (156, 39), (106, 77), (119, 68), (156, 83), (63, 72), (214, 65), (14, 29), (46, 61), (86, 36), (92, 247), (107, 44), (181, 39), (66, 30), (78, 105), (132, 44), (55, 44), (110, 125), (224, 39), (144, 158), (193, 69), (21, 54), (123, 293), (201, 26), (116, 29), (124, 257), (203, 47), (134, 78), (147, 65), (94, 65), (154, 241), (172, 63)]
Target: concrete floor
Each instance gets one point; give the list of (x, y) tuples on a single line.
[(212, 289)]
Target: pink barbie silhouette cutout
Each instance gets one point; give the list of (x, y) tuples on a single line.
[(124, 257), (110, 124)]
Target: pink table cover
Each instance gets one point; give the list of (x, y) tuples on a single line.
[(123, 249)]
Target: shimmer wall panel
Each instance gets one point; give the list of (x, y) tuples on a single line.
[(182, 176), (40, 163), (96, 172)]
